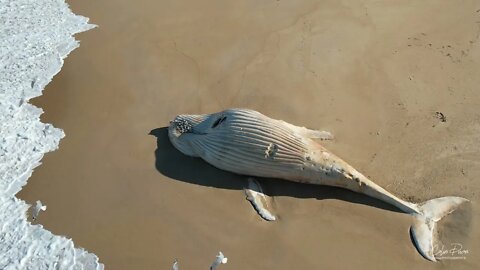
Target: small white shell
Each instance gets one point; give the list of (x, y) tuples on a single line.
[(37, 208), (220, 259), (175, 265)]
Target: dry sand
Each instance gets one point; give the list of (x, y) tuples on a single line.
[(374, 73)]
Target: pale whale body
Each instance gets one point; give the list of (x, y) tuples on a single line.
[(247, 142)]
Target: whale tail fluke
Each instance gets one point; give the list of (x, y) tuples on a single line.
[(423, 228)]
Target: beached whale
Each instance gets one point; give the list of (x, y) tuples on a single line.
[(247, 142)]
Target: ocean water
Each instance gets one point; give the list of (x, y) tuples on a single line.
[(36, 35)]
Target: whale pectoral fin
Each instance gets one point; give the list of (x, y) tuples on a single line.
[(258, 199), (318, 134), (310, 133)]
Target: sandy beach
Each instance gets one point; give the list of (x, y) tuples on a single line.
[(378, 75)]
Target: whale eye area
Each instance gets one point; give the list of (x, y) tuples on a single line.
[(219, 121)]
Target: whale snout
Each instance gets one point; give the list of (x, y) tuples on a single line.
[(181, 125), (187, 123)]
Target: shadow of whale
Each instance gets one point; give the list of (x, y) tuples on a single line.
[(175, 165)]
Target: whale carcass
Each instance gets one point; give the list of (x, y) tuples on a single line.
[(247, 142)]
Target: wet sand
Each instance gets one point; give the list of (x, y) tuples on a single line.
[(372, 73)]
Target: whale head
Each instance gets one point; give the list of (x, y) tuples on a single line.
[(186, 128)]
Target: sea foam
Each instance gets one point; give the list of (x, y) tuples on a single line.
[(35, 37)]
